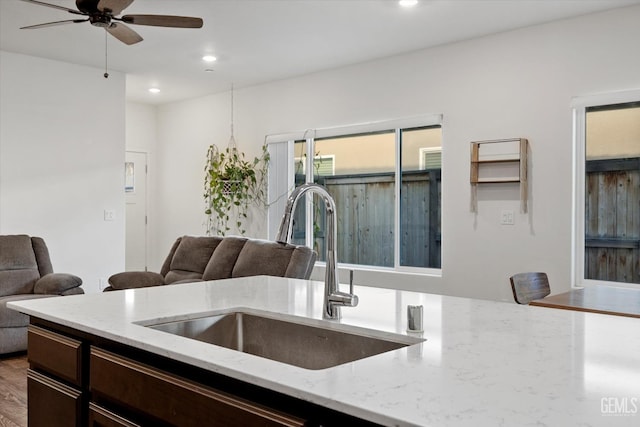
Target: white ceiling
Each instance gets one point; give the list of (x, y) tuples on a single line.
[(257, 41)]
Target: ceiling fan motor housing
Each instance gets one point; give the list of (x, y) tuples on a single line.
[(100, 20)]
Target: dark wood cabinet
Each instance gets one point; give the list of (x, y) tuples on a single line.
[(126, 383), (79, 379), (52, 403), (101, 417), (56, 354), (54, 379)]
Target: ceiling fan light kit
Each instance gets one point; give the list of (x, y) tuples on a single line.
[(104, 14)]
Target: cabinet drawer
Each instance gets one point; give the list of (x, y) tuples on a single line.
[(56, 354), (51, 403), (166, 397), (100, 417)]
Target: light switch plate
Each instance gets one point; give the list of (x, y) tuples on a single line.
[(507, 217)]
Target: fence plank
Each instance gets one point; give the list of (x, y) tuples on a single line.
[(414, 247), (365, 209), (612, 220)]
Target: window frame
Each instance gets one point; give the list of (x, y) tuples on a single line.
[(579, 108), (395, 126), (425, 150), (321, 157)]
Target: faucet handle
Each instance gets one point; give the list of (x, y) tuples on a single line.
[(351, 282), (354, 297)]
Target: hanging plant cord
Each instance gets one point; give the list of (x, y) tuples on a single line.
[(232, 184), (232, 140)]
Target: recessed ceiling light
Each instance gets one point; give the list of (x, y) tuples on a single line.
[(209, 58), (154, 90), (408, 3)]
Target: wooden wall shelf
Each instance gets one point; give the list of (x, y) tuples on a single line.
[(497, 162)]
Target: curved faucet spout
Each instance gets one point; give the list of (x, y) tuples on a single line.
[(333, 298)]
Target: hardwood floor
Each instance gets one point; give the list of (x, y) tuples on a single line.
[(13, 390)]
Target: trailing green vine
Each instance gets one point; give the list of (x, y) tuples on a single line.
[(231, 185)]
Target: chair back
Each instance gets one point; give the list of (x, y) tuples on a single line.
[(529, 286), (23, 260)]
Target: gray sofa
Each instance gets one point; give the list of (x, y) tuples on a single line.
[(26, 273), (193, 259)]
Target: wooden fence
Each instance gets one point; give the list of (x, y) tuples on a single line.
[(366, 211), (612, 220)]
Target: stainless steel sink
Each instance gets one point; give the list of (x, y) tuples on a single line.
[(288, 341)]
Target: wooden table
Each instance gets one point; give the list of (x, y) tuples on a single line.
[(596, 299)]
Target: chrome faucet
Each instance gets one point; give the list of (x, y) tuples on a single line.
[(333, 298)]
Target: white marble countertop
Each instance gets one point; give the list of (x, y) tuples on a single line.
[(484, 363)]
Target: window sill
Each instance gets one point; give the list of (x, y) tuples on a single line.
[(406, 279)]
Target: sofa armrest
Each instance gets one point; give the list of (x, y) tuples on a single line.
[(56, 284), (135, 279)]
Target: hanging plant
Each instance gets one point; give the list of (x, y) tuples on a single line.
[(231, 185)]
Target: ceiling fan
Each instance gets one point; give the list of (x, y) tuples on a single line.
[(103, 13)]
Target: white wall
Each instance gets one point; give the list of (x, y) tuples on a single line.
[(515, 84), (61, 162)]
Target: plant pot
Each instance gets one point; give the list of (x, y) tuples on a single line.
[(229, 187)]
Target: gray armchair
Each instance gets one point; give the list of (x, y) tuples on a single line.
[(194, 259), (26, 273)]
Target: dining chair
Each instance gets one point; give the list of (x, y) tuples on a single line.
[(529, 286)]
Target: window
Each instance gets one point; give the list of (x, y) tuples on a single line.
[(431, 158), (322, 165), (420, 196), (385, 181), (608, 190)]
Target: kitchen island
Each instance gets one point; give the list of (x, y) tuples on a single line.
[(484, 363)]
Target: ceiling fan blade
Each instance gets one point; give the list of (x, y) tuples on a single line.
[(55, 6), (163, 21), (123, 33), (52, 24), (115, 7)]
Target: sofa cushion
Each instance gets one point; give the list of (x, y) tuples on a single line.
[(224, 258), (263, 257), (135, 279), (301, 264), (13, 340), (181, 276), (193, 254), (14, 319), (42, 256), (18, 281), (56, 283), (166, 265), (16, 253), (18, 267)]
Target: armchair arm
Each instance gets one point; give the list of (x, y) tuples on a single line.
[(56, 284), (135, 279)]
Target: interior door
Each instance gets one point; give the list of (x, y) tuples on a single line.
[(136, 211)]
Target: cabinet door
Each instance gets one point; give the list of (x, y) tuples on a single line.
[(159, 395), (100, 417), (55, 354), (51, 403)]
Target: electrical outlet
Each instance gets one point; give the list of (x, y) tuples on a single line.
[(102, 283), (109, 215), (507, 217)]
